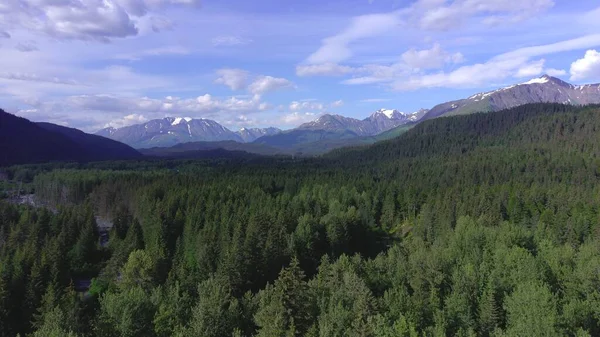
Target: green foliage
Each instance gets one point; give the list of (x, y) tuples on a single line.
[(531, 311), (479, 225), (138, 271), (54, 325), (216, 311), (126, 313)]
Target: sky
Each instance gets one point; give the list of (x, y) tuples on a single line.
[(91, 64)]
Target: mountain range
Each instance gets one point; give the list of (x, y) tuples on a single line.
[(24, 142), (332, 131), (545, 89), (170, 131)]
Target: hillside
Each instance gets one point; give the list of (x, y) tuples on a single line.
[(545, 89), (483, 225), (191, 150), (22, 141)]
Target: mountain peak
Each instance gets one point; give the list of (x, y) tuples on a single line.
[(547, 79), (388, 113), (539, 80), (179, 120)]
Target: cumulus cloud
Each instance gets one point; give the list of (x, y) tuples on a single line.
[(555, 72), (31, 77), (374, 100), (531, 69), (229, 41), (445, 15), (265, 84), (432, 58), (517, 63), (159, 24), (127, 121), (162, 51), (111, 110), (587, 67), (411, 61), (325, 69), (236, 79), (380, 73), (306, 105), (337, 104), (313, 105), (4, 35), (99, 20), (336, 48), (423, 14), (26, 46), (294, 119)]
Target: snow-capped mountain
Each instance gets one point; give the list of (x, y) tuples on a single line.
[(170, 131), (545, 89), (385, 119), (334, 123), (378, 122), (251, 134)]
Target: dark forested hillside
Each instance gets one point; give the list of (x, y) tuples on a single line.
[(479, 225), (22, 141), (97, 148)]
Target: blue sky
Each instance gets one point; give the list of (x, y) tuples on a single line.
[(96, 63)]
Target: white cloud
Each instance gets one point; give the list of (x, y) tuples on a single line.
[(111, 110), (445, 15), (265, 84), (26, 46), (467, 76), (582, 42), (432, 58), (411, 61), (306, 105), (531, 69), (336, 48), (296, 118), (127, 121), (427, 15), (236, 79), (587, 67), (159, 24), (30, 77), (99, 20), (325, 69), (4, 35), (337, 104), (229, 41), (93, 20), (313, 105), (374, 100), (169, 50), (517, 63), (555, 72)]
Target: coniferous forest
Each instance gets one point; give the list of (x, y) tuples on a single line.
[(477, 225)]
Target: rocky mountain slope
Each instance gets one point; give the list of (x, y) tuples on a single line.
[(545, 89), (251, 134), (170, 131), (378, 122)]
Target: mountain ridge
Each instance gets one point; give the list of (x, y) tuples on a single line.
[(544, 89), (25, 142), (337, 128)]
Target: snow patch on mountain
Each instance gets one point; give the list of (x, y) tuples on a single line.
[(179, 120), (539, 80)]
